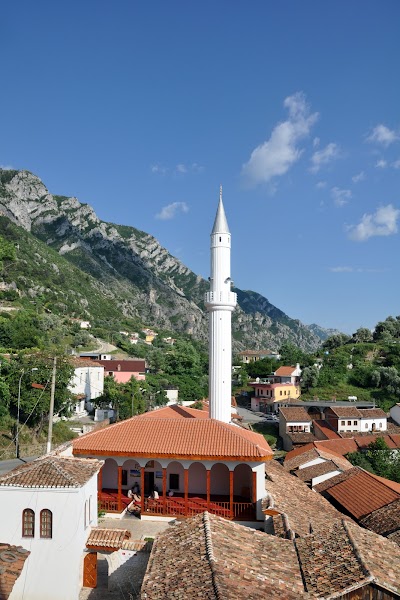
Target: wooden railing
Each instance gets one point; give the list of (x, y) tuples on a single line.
[(108, 505), (178, 507)]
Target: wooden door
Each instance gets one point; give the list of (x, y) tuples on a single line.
[(90, 570)]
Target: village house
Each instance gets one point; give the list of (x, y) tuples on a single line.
[(278, 390), (248, 356), (395, 413), (344, 419), (316, 465), (123, 370), (49, 506), (149, 335), (294, 426), (372, 501), (87, 384)]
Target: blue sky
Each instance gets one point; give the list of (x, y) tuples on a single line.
[(142, 109)]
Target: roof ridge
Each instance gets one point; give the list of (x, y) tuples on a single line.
[(63, 472), (210, 554)]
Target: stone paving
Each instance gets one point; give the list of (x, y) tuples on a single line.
[(139, 530)]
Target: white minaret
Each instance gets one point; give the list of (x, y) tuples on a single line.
[(220, 302)]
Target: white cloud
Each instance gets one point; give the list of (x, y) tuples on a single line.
[(355, 270), (359, 177), (159, 169), (170, 211), (193, 168), (181, 168), (381, 164), (7, 167), (396, 164), (383, 135), (276, 155), (341, 269), (340, 197), (324, 156), (382, 223), (316, 142), (321, 185)]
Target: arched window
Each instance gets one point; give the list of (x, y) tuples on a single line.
[(46, 523), (28, 523)]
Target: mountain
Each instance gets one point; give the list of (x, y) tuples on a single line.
[(100, 271)]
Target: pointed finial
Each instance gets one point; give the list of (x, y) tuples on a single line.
[(220, 223), (220, 193)]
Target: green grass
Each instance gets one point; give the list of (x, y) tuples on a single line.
[(268, 430)]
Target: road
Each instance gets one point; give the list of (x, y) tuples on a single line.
[(8, 465), (249, 416)]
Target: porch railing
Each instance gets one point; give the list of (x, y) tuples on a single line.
[(178, 507)]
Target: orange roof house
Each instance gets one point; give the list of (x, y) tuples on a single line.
[(207, 464)]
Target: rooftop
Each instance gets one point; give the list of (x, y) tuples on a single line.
[(344, 557), (219, 559), (305, 510), (52, 472), (295, 414), (285, 371), (107, 538), (11, 568), (360, 493), (182, 436), (385, 520)]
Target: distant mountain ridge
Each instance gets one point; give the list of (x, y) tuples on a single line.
[(129, 271)]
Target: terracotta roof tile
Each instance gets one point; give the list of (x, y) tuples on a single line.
[(107, 538), (325, 485), (11, 568), (343, 557), (52, 472), (175, 411), (385, 520), (344, 412), (365, 441), (301, 438), (372, 413), (220, 559), (309, 473), (361, 493), (323, 426), (174, 438), (285, 371), (304, 509), (124, 366), (339, 446), (84, 362), (295, 414)]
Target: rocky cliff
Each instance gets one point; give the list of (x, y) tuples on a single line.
[(138, 276)]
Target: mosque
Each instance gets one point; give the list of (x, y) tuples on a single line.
[(197, 460)]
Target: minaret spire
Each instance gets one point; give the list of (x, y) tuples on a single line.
[(220, 302)]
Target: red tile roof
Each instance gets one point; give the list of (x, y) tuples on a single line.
[(207, 557), (362, 493), (52, 472), (345, 557), (285, 371), (323, 427), (11, 568), (322, 468), (107, 538), (296, 414), (372, 413), (175, 411), (124, 366), (174, 438), (344, 412), (385, 520)]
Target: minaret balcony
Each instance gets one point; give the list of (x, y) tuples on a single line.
[(220, 298)]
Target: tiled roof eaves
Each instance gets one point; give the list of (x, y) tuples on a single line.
[(249, 458)]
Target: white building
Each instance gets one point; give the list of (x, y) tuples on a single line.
[(293, 420), (395, 413), (87, 383), (48, 508), (220, 303), (344, 419)]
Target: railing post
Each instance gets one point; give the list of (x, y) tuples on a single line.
[(119, 489), (99, 483), (186, 483), (164, 487), (254, 491), (208, 472), (231, 494), (141, 490)]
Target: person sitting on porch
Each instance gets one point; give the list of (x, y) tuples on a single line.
[(134, 490), (154, 495), (134, 507), (170, 493)]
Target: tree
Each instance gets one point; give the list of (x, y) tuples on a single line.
[(309, 378), (383, 460), (7, 253), (358, 459), (363, 334), (291, 355), (335, 341)]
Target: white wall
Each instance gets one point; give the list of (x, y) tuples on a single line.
[(380, 424), (310, 463), (321, 478), (88, 381), (53, 571), (395, 413)]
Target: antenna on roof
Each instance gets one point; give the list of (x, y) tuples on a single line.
[(220, 192)]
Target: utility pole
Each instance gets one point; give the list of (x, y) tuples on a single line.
[(52, 391)]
